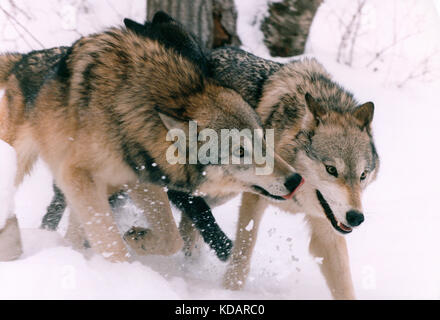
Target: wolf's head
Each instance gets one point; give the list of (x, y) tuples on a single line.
[(339, 159), (330, 143), (194, 97)]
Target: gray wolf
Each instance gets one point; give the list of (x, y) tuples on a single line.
[(323, 132), (100, 118)]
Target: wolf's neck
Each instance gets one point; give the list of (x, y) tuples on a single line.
[(242, 72)]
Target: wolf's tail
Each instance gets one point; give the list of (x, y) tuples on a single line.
[(7, 62)]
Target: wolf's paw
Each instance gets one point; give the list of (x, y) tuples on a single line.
[(222, 248), (232, 281), (235, 276), (136, 237), (145, 241)]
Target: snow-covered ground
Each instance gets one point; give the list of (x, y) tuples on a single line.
[(393, 255)]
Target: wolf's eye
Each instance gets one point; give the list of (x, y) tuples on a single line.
[(332, 170), (364, 175), (239, 152)]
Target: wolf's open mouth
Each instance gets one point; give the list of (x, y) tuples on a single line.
[(339, 226), (266, 193)]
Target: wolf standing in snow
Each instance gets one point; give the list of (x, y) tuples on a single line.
[(323, 132), (100, 120)]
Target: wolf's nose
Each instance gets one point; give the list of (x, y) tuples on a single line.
[(354, 218), (293, 182)]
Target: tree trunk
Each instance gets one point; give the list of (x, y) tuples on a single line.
[(287, 27), (213, 21), (225, 23)]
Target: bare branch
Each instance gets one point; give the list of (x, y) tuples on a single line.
[(355, 34), (381, 52), (10, 17), (21, 35), (14, 6), (422, 69), (351, 31)]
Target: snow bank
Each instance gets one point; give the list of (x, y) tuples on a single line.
[(8, 166), (59, 272)]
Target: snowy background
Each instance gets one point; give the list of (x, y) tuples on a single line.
[(393, 60)]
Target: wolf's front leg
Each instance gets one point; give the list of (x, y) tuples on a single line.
[(335, 265), (197, 209), (88, 201), (75, 234), (163, 237), (251, 211)]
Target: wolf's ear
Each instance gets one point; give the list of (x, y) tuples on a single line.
[(161, 17), (315, 108), (364, 114), (172, 34), (134, 26), (172, 119), (171, 123)]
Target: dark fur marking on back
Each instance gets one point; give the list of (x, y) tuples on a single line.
[(172, 35), (86, 84), (34, 69)]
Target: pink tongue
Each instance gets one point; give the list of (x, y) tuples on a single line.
[(290, 195), (344, 227)]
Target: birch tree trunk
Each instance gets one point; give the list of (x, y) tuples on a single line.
[(288, 25)]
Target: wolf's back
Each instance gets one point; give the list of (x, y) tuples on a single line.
[(7, 62), (242, 71)]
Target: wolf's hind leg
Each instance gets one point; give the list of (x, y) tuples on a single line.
[(54, 211), (190, 235), (75, 233), (163, 238), (57, 206), (335, 266)]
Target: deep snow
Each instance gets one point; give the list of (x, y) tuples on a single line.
[(393, 254)]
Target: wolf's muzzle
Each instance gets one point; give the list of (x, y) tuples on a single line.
[(292, 184), (342, 228)]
